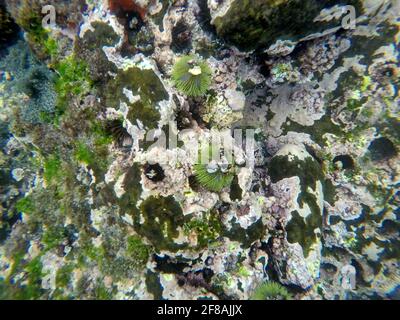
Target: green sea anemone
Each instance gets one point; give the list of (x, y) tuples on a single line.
[(191, 76), (271, 291)]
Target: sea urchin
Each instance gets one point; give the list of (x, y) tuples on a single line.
[(191, 76)]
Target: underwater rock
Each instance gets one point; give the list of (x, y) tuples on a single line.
[(236, 99), (100, 201), (303, 225), (259, 23), (8, 28)]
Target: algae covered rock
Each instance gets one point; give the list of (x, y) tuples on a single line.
[(259, 23), (159, 221), (304, 223)]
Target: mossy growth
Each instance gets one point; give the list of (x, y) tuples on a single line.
[(100, 291), (83, 153), (94, 154), (207, 229), (146, 86), (191, 76), (159, 220), (28, 288), (52, 167), (53, 237), (137, 250), (29, 17), (271, 291), (73, 80), (245, 236), (100, 134), (63, 276), (309, 172), (255, 24), (25, 205)]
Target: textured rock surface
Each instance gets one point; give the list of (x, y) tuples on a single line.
[(259, 23), (94, 206)]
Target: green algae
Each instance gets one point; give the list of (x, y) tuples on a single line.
[(93, 155), (271, 291), (207, 228), (162, 216), (254, 24), (144, 83), (25, 205), (53, 237), (73, 80), (309, 172), (30, 289), (300, 230), (89, 48), (316, 131), (30, 19), (52, 167), (246, 237), (137, 250), (63, 275), (84, 154), (101, 292)]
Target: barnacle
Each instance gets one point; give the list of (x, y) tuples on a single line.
[(191, 76)]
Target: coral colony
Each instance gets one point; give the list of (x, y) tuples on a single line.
[(194, 149)]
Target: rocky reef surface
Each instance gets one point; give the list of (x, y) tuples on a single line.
[(105, 112)]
